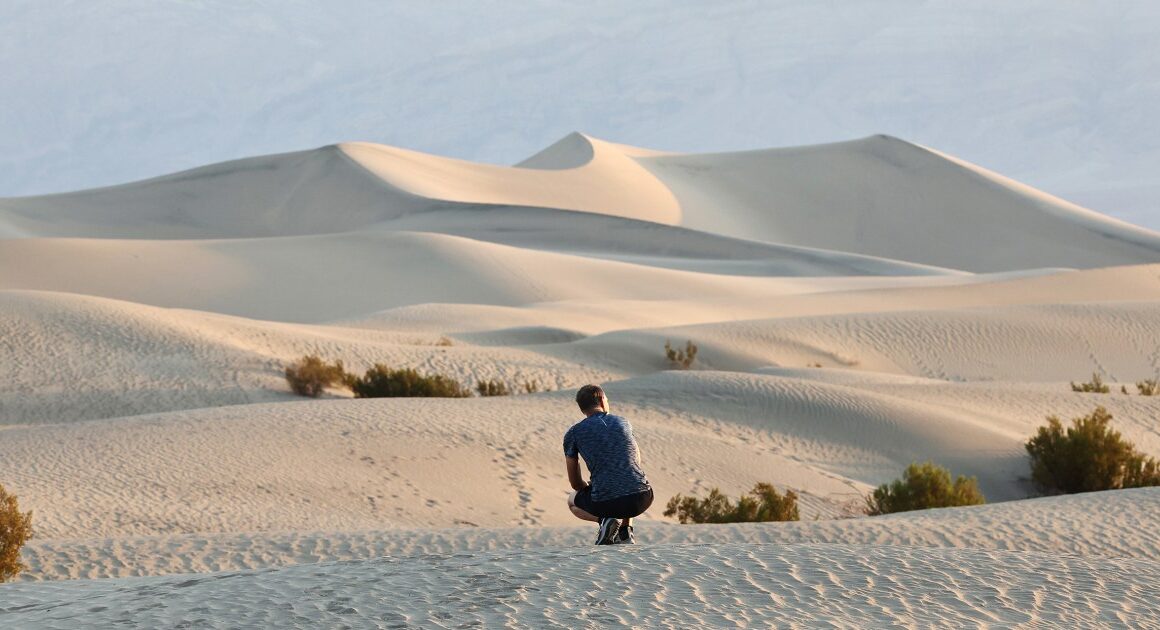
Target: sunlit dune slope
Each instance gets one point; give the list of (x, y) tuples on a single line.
[(324, 277), (879, 197), (882, 196)]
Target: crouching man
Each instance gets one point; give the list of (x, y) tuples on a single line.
[(619, 489)]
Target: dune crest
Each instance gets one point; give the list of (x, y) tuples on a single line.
[(576, 173)]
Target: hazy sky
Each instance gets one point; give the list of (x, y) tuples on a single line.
[(1061, 95)]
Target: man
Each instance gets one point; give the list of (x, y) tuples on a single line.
[(619, 489)]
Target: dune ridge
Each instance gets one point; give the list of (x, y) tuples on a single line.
[(878, 196)]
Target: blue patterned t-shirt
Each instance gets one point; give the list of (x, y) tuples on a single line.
[(606, 443)]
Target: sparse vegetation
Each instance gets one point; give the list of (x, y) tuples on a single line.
[(1150, 387), (383, 382), (763, 503), (492, 388), (1094, 386), (1087, 457), (500, 388), (310, 375), (924, 486), (681, 358), (15, 530), (445, 341)]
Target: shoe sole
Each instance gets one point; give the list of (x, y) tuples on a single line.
[(608, 530)]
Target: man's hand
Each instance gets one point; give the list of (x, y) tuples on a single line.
[(572, 464)]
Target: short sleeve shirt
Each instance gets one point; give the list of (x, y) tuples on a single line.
[(607, 445)]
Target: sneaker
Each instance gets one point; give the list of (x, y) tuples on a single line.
[(608, 529), (625, 537)]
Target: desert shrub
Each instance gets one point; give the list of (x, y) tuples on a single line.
[(532, 387), (1094, 386), (1086, 457), (383, 382), (492, 388), (763, 503), (681, 358), (15, 530), (1149, 387), (310, 375), (445, 341), (923, 486)]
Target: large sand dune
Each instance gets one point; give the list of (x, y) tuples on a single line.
[(856, 306), (879, 196)]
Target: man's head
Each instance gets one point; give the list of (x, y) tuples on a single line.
[(591, 399)]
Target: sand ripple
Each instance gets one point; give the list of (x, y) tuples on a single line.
[(721, 585)]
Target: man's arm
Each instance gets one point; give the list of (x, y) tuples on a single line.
[(574, 478)]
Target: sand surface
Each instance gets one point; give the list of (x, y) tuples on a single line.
[(857, 307)]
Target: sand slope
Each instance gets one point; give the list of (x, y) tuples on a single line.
[(120, 358), (1099, 525), (882, 196), (319, 278), (878, 196), (655, 586)]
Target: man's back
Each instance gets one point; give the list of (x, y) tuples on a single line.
[(606, 444)]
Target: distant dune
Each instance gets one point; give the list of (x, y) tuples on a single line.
[(879, 196)]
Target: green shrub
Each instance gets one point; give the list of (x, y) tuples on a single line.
[(15, 530), (763, 503), (1087, 457), (383, 382), (681, 358), (492, 388), (1094, 386), (924, 486), (310, 375), (1149, 387)]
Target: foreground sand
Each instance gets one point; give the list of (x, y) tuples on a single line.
[(719, 585), (1087, 560), (857, 307)]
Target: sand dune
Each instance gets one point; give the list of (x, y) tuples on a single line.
[(184, 359), (882, 196), (340, 188), (495, 462), (857, 307), (878, 196), (576, 173), (341, 276)]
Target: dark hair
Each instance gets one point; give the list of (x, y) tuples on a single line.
[(588, 397)]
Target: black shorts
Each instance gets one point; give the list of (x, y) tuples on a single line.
[(627, 506)]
